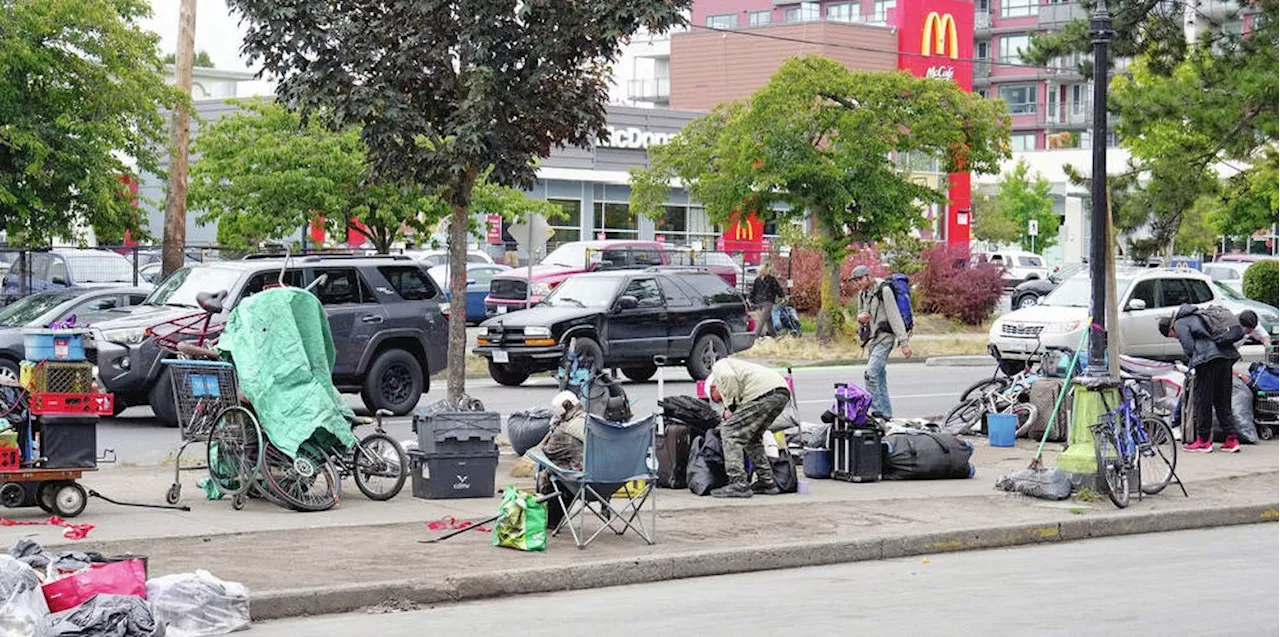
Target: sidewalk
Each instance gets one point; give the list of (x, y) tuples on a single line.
[(366, 553)]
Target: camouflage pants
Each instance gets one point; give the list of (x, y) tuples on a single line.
[(742, 433)]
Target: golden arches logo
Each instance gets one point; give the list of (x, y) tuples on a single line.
[(939, 36), (744, 231)]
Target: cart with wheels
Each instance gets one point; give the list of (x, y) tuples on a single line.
[(53, 490), (207, 397)]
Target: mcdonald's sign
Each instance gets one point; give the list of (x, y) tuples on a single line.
[(744, 234), (939, 36)]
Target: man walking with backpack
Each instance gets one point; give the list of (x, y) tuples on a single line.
[(882, 304), (1208, 338)]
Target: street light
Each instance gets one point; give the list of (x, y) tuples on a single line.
[(1101, 34)]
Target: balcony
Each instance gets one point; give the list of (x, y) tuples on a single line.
[(655, 90), (982, 22), (981, 72)]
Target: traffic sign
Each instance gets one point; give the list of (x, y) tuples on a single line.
[(1033, 228)]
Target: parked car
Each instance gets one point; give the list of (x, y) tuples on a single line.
[(65, 268), (1029, 292), (479, 275), (720, 263), (1268, 316), (384, 313), (515, 289), (45, 308), (433, 258), (1144, 296), (621, 319), (1018, 266), (1229, 273), (1238, 257)]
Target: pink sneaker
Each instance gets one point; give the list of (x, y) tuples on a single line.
[(1230, 445), (1199, 446)]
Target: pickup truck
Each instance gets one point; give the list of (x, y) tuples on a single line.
[(515, 289)]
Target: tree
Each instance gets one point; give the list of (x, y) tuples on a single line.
[(819, 140), (263, 174), (1023, 198), (202, 59), (447, 89), (993, 223), (1262, 282), (80, 108)]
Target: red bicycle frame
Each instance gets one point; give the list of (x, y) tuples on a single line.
[(195, 328)]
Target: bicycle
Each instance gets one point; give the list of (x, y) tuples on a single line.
[(1131, 443), (376, 457)]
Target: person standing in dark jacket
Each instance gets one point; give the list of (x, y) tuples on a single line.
[(1211, 389), (765, 291)]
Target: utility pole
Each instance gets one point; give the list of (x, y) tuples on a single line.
[(175, 210), (1101, 33)]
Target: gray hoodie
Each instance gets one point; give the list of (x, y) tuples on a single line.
[(1196, 342), (886, 321)]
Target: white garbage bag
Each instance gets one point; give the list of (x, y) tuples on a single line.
[(22, 605), (198, 604)]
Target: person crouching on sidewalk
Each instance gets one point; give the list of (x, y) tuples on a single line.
[(756, 395), (1211, 390)]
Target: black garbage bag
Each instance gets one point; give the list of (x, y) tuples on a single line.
[(105, 616), (705, 470), (1242, 411), (525, 429), (784, 472), (697, 414)]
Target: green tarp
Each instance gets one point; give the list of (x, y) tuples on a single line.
[(283, 351)]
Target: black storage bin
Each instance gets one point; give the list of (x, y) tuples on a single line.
[(442, 476), (856, 453), (458, 432), (69, 442)]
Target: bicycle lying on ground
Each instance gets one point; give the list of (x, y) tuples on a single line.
[(1131, 443)]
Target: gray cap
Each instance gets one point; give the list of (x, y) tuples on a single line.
[(859, 271)]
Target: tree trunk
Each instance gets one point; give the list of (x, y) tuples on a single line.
[(458, 229), (175, 212), (830, 308)]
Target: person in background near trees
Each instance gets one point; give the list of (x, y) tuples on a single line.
[(1211, 389), (755, 395), (879, 307), (765, 291)]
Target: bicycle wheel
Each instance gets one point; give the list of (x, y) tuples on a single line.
[(234, 450), (306, 483), (379, 466), (964, 416), (982, 387), (1113, 476), (1159, 455)]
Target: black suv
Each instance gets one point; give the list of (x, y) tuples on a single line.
[(384, 313), (621, 319)]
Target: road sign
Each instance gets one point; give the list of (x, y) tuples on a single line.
[(1033, 228)]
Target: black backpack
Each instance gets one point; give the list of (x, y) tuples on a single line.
[(1223, 326), (605, 398)]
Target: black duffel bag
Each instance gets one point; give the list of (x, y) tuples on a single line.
[(924, 455), (525, 429)]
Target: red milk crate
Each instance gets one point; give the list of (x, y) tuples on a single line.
[(48, 404)]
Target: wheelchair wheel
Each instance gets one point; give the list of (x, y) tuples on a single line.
[(234, 450), (308, 482), (379, 466)]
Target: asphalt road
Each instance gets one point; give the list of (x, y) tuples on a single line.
[(1214, 582), (917, 391)]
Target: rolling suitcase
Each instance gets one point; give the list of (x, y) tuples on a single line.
[(856, 452)]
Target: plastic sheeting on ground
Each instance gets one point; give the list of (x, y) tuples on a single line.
[(1046, 484), (283, 352), (198, 604)]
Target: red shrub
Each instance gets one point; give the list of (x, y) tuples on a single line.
[(806, 275), (952, 286)]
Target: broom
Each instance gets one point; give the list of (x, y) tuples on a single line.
[(1057, 405)]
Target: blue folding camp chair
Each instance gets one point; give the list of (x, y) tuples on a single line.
[(615, 455)]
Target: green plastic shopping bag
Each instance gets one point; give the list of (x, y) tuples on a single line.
[(522, 521)]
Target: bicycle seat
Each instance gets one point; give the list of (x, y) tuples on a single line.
[(211, 303)]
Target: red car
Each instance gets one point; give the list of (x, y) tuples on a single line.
[(515, 289)]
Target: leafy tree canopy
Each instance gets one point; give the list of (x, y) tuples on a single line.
[(202, 59), (81, 93), (1021, 197), (819, 140)]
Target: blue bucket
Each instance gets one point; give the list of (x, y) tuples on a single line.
[(818, 464), (1002, 429)]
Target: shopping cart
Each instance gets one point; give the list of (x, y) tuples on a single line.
[(207, 398)]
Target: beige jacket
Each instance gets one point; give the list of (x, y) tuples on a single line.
[(741, 382), (882, 305)]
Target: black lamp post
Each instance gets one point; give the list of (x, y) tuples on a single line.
[(1100, 31)]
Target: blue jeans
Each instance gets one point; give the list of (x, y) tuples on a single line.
[(877, 381)]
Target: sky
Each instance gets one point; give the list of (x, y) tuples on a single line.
[(217, 31)]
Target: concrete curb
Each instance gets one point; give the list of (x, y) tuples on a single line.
[(981, 360), (723, 561)]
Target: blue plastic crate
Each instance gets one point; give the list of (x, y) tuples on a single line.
[(53, 345)]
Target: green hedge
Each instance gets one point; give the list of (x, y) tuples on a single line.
[(1262, 282)]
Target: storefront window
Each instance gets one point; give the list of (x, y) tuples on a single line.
[(568, 227), (673, 224), (1018, 8), (615, 221)]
